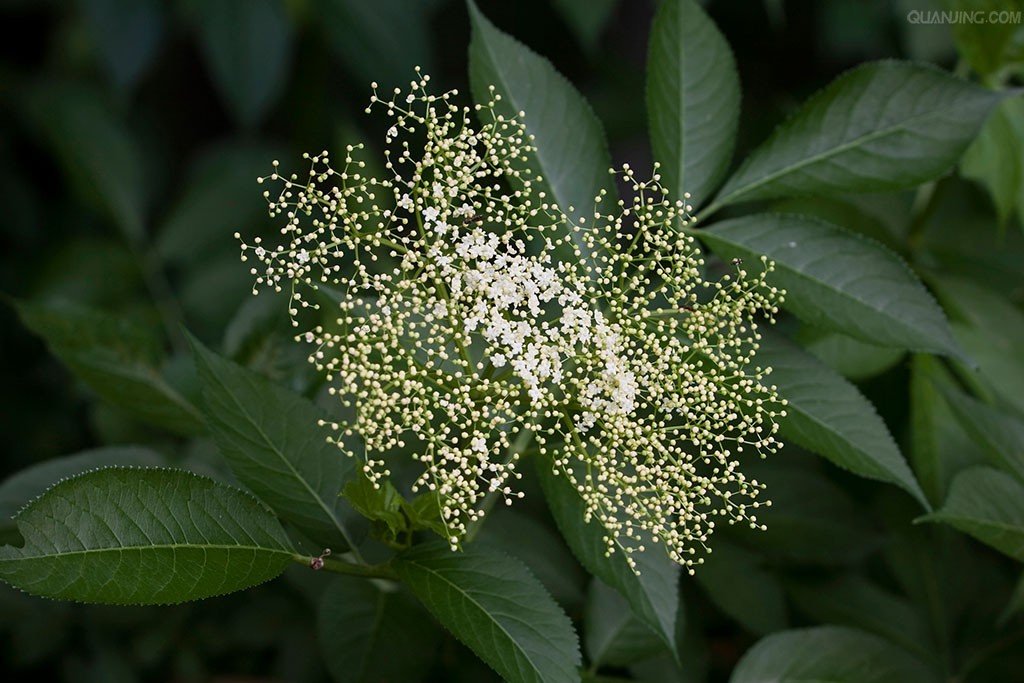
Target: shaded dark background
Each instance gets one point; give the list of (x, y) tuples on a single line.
[(204, 95)]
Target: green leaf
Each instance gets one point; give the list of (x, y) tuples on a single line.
[(988, 505), (985, 45), (383, 505), (127, 34), (740, 586), (540, 548), (1000, 433), (996, 159), (380, 41), (613, 636), (851, 358), (247, 45), (96, 151), (92, 270), (130, 536), (274, 445), (118, 358), (22, 486), (828, 415), (1015, 605), (572, 155), (219, 198), (991, 329), (587, 19), (693, 99), (851, 600), (837, 279), (939, 447), (829, 653), (881, 126), (652, 595), (424, 512), (493, 604), (810, 520), (883, 218), (359, 625)]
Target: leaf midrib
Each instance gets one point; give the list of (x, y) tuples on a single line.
[(154, 547), (479, 18), (480, 607), (280, 454), (833, 151), (891, 319)]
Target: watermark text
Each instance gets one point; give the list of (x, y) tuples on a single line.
[(918, 16)]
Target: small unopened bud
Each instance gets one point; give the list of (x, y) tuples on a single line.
[(317, 563)]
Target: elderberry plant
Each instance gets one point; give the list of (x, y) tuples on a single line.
[(483, 313), (463, 329)]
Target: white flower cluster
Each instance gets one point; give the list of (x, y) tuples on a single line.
[(475, 313)]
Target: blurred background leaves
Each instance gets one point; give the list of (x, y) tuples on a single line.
[(132, 135)]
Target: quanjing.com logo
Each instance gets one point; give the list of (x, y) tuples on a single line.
[(918, 16)]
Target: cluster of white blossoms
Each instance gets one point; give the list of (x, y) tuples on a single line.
[(475, 317)]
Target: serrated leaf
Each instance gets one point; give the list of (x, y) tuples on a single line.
[(939, 447), (22, 486), (991, 330), (97, 152), (424, 512), (735, 580), (839, 280), (828, 415), (378, 41), (652, 594), (247, 45), (613, 636), (383, 504), (359, 625), (274, 445), (829, 653), (853, 359), (881, 126), (884, 218), (130, 536), (127, 34), (541, 549), (572, 154), (493, 604), (1000, 433), (988, 505), (117, 358), (693, 99), (852, 600), (996, 158)]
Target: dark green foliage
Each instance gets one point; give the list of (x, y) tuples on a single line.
[(877, 159)]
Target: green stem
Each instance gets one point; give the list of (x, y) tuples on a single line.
[(375, 571)]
